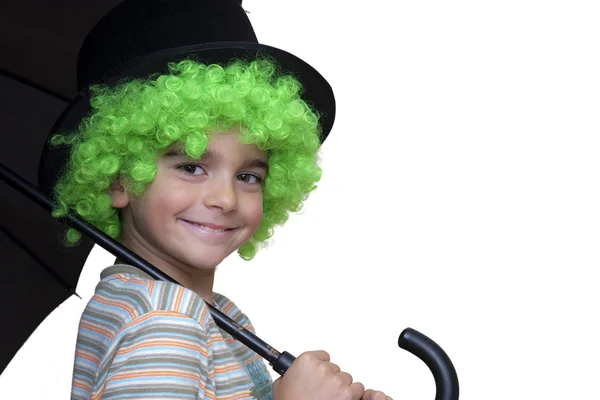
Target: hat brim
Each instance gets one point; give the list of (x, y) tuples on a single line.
[(317, 92)]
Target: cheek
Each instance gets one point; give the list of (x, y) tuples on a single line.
[(158, 207), (146, 217), (253, 210)]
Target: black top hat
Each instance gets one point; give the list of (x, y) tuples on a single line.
[(140, 37)]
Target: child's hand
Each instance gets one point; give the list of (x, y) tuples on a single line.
[(371, 394), (312, 376)]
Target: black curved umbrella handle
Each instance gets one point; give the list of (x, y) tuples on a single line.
[(444, 374), (446, 380)]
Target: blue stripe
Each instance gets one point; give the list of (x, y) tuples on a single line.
[(123, 294), (183, 301), (157, 395), (171, 289), (86, 363), (89, 334), (105, 323), (166, 350)]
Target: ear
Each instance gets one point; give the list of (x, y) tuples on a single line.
[(118, 194)]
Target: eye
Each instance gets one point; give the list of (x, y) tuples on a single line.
[(189, 169), (250, 178)]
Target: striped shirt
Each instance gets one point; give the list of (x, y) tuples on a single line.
[(145, 339)]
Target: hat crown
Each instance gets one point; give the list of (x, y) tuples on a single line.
[(136, 28)]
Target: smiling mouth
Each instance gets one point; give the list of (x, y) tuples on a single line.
[(207, 228)]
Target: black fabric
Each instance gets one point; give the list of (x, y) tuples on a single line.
[(37, 273), (138, 27)]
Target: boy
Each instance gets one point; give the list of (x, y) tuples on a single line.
[(184, 168)]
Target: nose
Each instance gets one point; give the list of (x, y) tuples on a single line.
[(220, 193)]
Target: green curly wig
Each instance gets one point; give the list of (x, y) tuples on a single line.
[(131, 123)]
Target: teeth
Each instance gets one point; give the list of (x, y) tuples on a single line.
[(206, 228)]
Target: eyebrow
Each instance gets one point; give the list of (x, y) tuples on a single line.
[(211, 155)]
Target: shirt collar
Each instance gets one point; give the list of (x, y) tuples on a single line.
[(123, 269)]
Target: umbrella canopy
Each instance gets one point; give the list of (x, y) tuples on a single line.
[(39, 42), (38, 273)]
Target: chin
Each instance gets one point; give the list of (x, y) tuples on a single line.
[(205, 260)]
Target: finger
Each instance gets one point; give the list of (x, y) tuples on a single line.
[(321, 355), (345, 378), (358, 389), (371, 394), (368, 394), (314, 356), (334, 368)]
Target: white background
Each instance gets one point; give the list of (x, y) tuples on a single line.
[(460, 197)]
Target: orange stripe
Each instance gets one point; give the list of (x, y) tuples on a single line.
[(98, 395), (150, 314), (243, 395), (203, 313), (81, 385), (227, 368), (252, 359), (94, 328), (150, 285), (86, 356), (178, 296), (127, 279), (129, 375), (117, 304), (153, 343), (227, 307)]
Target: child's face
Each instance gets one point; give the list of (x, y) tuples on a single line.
[(222, 189)]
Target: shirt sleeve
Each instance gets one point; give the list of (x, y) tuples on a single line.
[(158, 355)]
